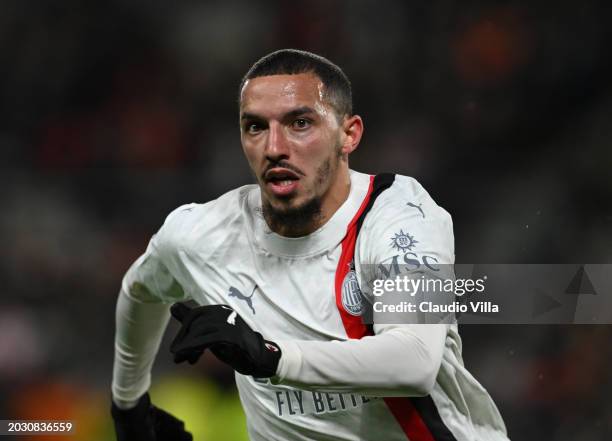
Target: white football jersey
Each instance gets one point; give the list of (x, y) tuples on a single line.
[(332, 384)]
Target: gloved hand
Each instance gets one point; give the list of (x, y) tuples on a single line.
[(146, 422), (221, 329)]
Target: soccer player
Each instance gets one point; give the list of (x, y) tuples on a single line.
[(275, 267)]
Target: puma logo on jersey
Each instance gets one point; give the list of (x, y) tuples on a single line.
[(233, 292), (418, 207)]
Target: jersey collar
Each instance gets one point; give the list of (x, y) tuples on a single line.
[(327, 237)]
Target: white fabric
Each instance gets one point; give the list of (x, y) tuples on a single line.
[(346, 366), (140, 328), (327, 386)]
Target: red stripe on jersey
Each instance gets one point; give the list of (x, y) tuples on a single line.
[(401, 407), (409, 419), (352, 324)]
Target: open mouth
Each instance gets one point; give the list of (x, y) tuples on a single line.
[(281, 181)]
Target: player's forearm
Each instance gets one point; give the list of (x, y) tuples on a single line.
[(403, 361), (140, 328)]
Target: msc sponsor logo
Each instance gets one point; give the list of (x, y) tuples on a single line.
[(403, 241), (409, 261)]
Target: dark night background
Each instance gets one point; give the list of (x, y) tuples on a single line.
[(114, 113)]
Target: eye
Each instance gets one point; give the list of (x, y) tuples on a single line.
[(253, 128), (301, 123)]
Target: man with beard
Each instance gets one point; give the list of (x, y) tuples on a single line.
[(274, 267)]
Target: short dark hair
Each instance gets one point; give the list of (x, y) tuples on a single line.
[(293, 61)]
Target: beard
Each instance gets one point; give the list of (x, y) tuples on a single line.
[(293, 221), (296, 221)]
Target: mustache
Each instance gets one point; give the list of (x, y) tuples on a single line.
[(282, 164)]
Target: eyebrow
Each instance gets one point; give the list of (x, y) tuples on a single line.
[(299, 111), (291, 114)]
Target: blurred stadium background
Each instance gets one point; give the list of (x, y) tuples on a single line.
[(113, 113)]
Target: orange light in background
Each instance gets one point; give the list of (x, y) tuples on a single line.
[(55, 401), (491, 49)]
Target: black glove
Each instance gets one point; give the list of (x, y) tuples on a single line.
[(221, 329), (146, 422)]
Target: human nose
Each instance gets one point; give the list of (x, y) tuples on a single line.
[(277, 147)]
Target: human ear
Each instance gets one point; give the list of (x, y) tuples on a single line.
[(352, 127)]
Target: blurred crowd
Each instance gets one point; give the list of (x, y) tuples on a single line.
[(114, 113)]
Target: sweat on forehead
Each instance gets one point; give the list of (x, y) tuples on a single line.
[(286, 86)]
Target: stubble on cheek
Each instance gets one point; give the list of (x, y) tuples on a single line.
[(326, 170), (323, 173)]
